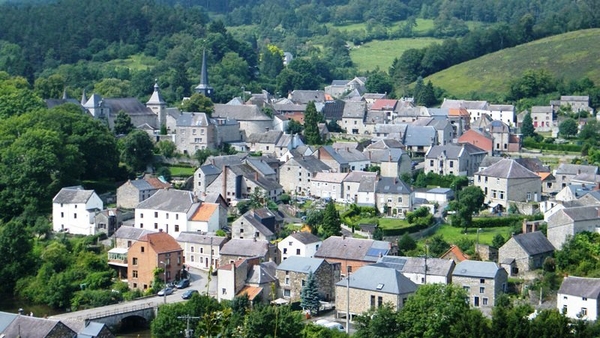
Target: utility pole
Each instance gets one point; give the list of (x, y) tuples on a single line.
[(347, 298), (188, 332), (210, 268), (165, 289)]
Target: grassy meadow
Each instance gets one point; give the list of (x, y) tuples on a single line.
[(569, 56), (381, 54), (452, 234)]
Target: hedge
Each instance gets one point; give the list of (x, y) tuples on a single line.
[(492, 222), (529, 143), (405, 230)]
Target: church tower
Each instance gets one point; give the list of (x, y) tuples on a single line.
[(158, 106), (204, 88)]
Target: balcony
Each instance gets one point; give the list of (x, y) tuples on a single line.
[(118, 257)]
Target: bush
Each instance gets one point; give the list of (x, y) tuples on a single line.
[(532, 143), (505, 221)]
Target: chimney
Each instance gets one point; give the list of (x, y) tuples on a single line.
[(343, 236), (256, 175), (224, 188), (369, 155)]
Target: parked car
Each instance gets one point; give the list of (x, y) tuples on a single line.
[(330, 325), (182, 284), (189, 293), (166, 291)]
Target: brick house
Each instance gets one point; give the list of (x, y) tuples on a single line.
[(524, 252), (483, 281), (579, 298), (301, 244), (131, 193), (152, 251), (371, 287), (293, 274)]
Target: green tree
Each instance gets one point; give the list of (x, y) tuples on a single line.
[(406, 244), (271, 62), (16, 98), (273, 321), (590, 132), (568, 128), (166, 148), (15, 254), (331, 225), (123, 125), (112, 87), (426, 95), (468, 201), (294, 127), (198, 103), (136, 150), (309, 295), (311, 124), (51, 87), (527, 126), (437, 245), (498, 241), (382, 322), (379, 82)]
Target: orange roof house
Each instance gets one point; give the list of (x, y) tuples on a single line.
[(455, 254), (384, 104), (480, 139)]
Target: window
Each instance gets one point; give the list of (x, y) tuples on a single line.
[(128, 244), (485, 301), (379, 301), (297, 251), (285, 250), (482, 281), (502, 195), (303, 282), (466, 288), (75, 215), (155, 225), (176, 228), (451, 164), (372, 301), (583, 311), (192, 258), (431, 163), (176, 216), (141, 225), (142, 249), (528, 195), (134, 274), (192, 248), (156, 214), (223, 291), (62, 214), (135, 261), (287, 280), (286, 293), (481, 289), (584, 298), (241, 231), (399, 199)]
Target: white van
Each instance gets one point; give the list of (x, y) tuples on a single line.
[(330, 325)]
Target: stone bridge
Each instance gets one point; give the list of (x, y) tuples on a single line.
[(115, 316)]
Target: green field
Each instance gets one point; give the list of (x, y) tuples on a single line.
[(570, 56), (423, 26), (486, 235), (135, 62), (181, 171), (382, 53)]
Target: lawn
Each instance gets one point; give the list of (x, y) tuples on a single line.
[(382, 53), (135, 62), (181, 171), (486, 235), (392, 223)]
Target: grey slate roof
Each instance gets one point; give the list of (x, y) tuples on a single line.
[(262, 273), (301, 264), (334, 154), (386, 144), (269, 137), (368, 184), (171, 200), (129, 232), (453, 151), (333, 110), (192, 120), (581, 287), (419, 135), (398, 128), (226, 160), (580, 213), (130, 105), (488, 160), (385, 155), (240, 112), (260, 165), (305, 96), (534, 164), (245, 248), (391, 185), (248, 217), (507, 168), (198, 238), (375, 117), (305, 237), (380, 278), (142, 185), (310, 163), (209, 169), (5, 319), (352, 248), (358, 176), (477, 269), (26, 326), (355, 110), (73, 195), (435, 266), (534, 243), (575, 169)]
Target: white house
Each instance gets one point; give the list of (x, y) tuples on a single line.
[(303, 244), (201, 251), (167, 210), (578, 297), (74, 210), (328, 185)]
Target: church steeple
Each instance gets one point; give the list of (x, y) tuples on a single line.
[(204, 88), (158, 106), (156, 98)]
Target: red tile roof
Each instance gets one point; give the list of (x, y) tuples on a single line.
[(460, 256), (204, 212), (161, 242)]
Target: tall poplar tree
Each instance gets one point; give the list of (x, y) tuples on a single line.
[(311, 124)]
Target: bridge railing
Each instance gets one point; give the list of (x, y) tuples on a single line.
[(118, 311)]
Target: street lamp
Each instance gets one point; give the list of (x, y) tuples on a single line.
[(165, 289)]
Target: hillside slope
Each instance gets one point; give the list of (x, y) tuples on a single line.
[(570, 56)]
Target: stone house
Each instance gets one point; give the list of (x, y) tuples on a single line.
[(237, 182), (508, 181), (565, 173), (454, 159), (544, 118), (261, 224), (418, 139), (236, 249), (393, 196), (353, 118), (152, 251), (250, 117), (329, 156), (524, 252), (264, 142), (356, 159), (200, 250), (195, 131), (301, 244), (328, 186), (577, 103), (438, 271), (371, 287), (292, 275), (74, 210), (483, 281), (390, 157), (248, 276), (579, 298), (352, 253), (567, 222), (131, 193), (296, 173), (359, 188)]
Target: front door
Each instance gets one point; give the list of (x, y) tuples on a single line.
[(476, 301)]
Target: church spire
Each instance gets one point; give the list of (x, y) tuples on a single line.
[(204, 88), (156, 98)]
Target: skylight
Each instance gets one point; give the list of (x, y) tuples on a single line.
[(380, 286)]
